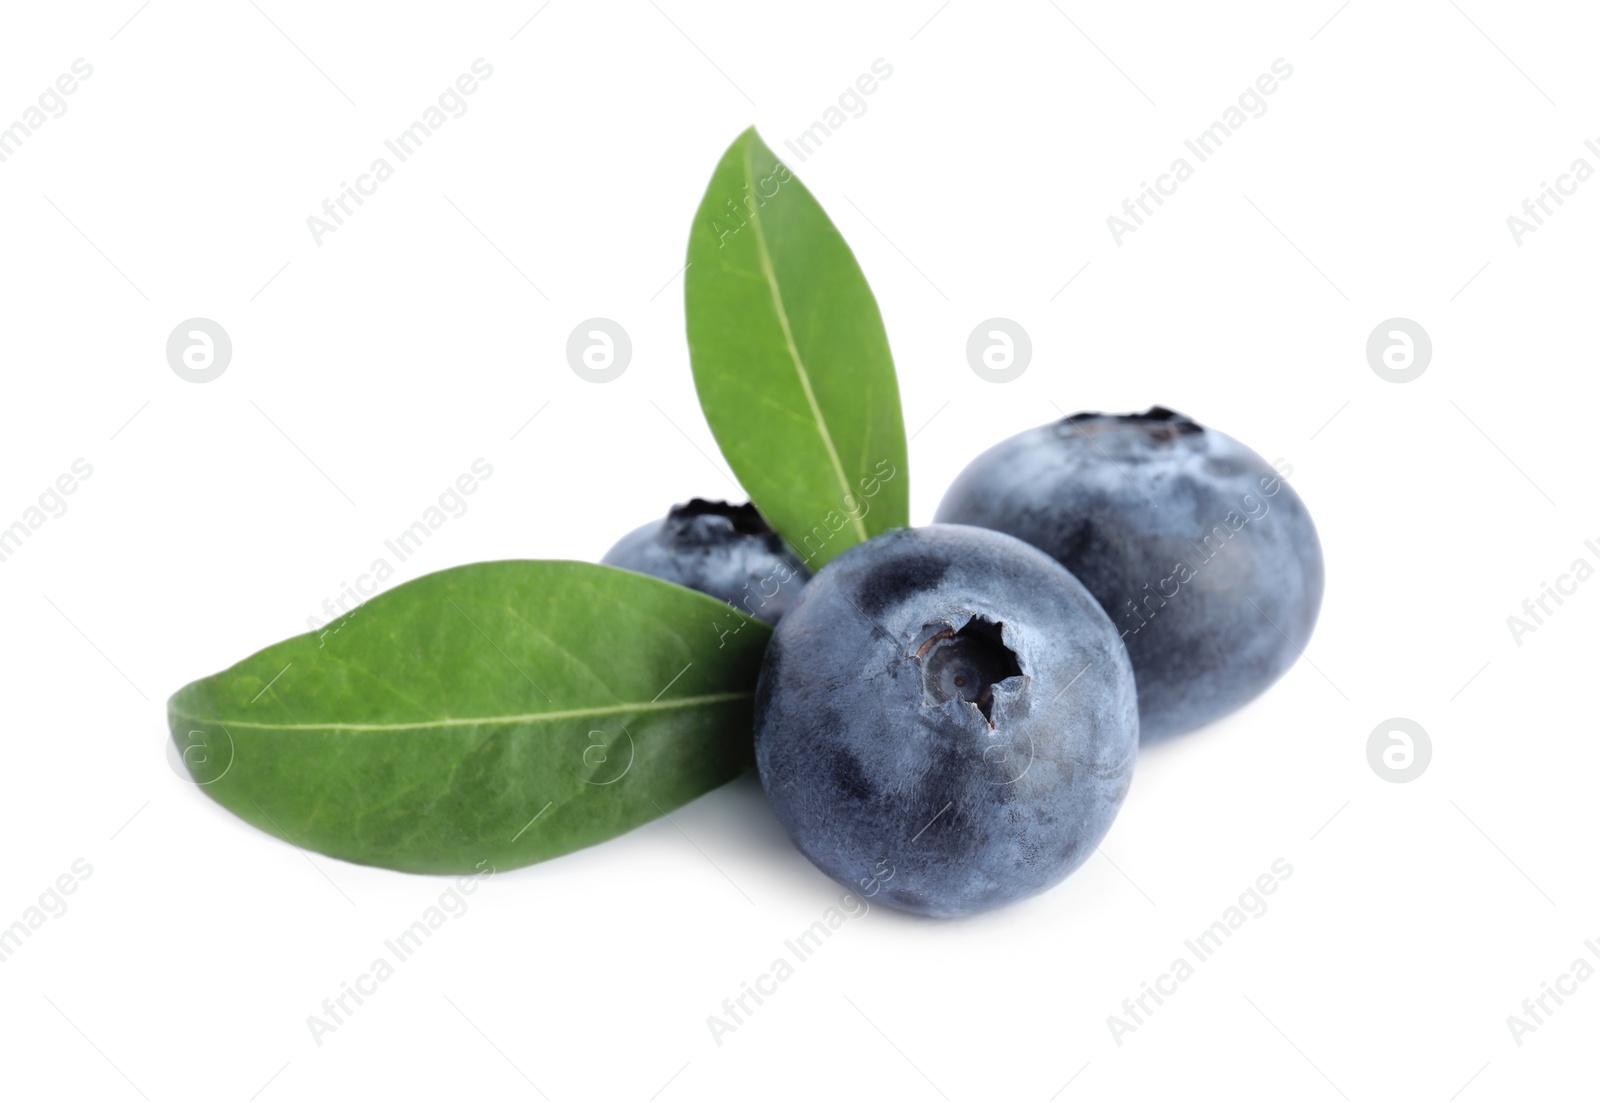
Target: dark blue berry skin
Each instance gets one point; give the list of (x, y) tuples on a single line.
[(946, 720), (727, 551), (1205, 559)]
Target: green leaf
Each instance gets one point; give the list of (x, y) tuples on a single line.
[(791, 360), (498, 713)]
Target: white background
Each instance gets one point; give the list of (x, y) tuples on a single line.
[(370, 371)]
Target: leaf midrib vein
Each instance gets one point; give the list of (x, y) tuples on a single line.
[(794, 352), (476, 721)]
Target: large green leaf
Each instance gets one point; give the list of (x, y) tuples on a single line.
[(501, 713), (791, 360)]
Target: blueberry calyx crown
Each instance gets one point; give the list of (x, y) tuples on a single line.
[(965, 664), (744, 518), (1160, 423), (700, 521)]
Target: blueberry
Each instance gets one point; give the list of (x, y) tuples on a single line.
[(727, 551), (1194, 545), (945, 720)]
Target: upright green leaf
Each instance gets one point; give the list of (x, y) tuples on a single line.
[(499, 713), (791, 360)]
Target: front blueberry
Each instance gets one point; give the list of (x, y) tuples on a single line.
[(727, 551), (1195, 546), (946, 720)]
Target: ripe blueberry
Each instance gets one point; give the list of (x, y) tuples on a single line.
[(1194, 545), (727, 551), (945, 720)]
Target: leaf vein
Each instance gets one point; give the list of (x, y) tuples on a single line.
[(478, 721), (794, 353)]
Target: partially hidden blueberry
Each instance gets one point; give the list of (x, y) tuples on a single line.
[(727, 551), (1195, 546), (946, 720)]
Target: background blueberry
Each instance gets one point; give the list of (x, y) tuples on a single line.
[(727, 551), (946, 720), (1194, 545)]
